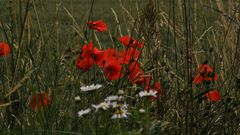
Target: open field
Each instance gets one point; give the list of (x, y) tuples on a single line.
[(162, 67)]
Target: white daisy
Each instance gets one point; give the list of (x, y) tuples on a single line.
[(113, 104), (148, 93), (142, 111), (120, 92), (120, 113), (77, 98), (84, 112), (119, 105), (113, 98), (103, 105), (90, 87)]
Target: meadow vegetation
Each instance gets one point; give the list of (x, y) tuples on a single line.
[(149, 67)]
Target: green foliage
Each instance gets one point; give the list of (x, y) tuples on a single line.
[(46, 38)]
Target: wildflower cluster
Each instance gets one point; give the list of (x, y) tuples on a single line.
[(115, 64), (114, 102)]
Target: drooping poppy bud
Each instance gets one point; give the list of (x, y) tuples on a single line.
[(98, 25)]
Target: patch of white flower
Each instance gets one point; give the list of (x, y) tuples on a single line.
[(120, 113), (113, 98), (90, 87), (103, 105), (119, 105), (77, 98), (84, 112), (142, 111), (115, 102), (120, 92), (148, 93)]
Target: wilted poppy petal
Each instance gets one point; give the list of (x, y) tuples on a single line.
[(39, 101)]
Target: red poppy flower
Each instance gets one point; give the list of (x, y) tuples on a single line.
[(84, 63), (99, 57), (88, 50), (111, 53), (130, 54), (134, 66), (213, 95), (112, 68), (155, 87), (205, 73), (98, 25), (4, 49), (130, 42), (39, 101), (148, 82), (136, 75), (104, 55)]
